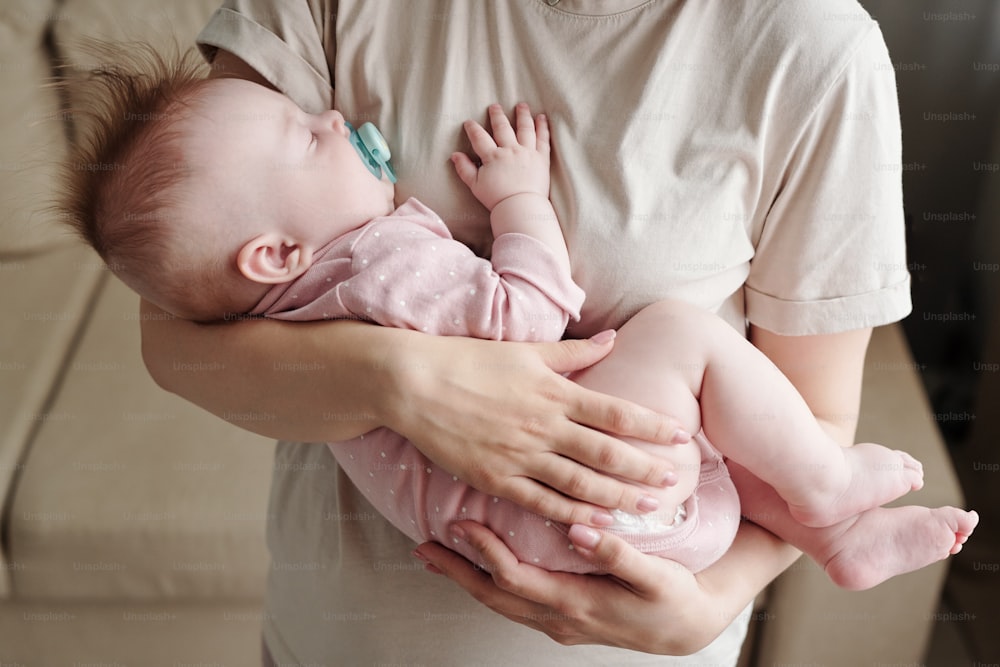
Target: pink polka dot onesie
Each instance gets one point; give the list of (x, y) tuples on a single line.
[(405, 270)]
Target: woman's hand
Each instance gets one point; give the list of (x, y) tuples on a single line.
[(498, 415), (645, 603), (641, 602), (501, 417)]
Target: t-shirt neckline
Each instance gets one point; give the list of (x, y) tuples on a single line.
[(594, 8)]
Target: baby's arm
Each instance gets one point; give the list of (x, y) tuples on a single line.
[(524, 293), (513, 179)]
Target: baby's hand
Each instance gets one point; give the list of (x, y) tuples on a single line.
[(512, 163)]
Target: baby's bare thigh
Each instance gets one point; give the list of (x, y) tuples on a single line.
[(657, 364), (658, 361)]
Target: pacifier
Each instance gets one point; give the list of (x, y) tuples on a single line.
[(372, 149)]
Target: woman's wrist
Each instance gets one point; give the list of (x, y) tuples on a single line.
[(394, 365)]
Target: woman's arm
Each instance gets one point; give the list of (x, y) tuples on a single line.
[(652, 604), (498, 415), (266, 376), (826, 370)]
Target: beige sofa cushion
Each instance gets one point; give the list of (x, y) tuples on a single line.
[(115, 488), (165, 25), (45, 302), (130, 492), (31, 132), (162, 633)]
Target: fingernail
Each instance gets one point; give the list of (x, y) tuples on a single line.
[(429, 566), (604, 337), (583, 536), (680, 437), (648, 504), (602, 518), (669, 479), (458, 534)]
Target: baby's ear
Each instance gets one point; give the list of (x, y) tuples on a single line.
[(272, 259)]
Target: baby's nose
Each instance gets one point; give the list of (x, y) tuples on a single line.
[(335, 120)]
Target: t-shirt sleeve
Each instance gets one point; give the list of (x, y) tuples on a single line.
[(290, 43), (831, 253), (415, 279)]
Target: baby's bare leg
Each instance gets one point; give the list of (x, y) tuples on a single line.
[(866, 549), (640, 369), (751, 413)]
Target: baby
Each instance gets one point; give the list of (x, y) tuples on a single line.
[(232, 201)]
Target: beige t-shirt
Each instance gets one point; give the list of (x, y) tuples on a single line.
[(743, 156)]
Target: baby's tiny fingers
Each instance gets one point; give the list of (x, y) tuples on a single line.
[(525, 125), (542, 133), (503, 133), (482, 142), (465, 168)]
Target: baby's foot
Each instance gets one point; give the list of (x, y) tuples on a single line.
[(877, 475), (885, 542)]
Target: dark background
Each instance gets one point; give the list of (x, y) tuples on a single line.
[(947, 59)]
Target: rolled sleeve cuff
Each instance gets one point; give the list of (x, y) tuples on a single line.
[(828, 316)]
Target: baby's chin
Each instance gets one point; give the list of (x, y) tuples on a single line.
[(390, 193)]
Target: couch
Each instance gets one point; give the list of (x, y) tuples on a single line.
[(132, 523)]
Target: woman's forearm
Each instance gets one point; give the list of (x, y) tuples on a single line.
[(292, 381), (755, 559), (500, 416)]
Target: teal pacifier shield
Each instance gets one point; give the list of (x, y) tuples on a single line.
[(373, 150)]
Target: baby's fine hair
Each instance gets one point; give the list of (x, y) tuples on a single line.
[(125, 167)]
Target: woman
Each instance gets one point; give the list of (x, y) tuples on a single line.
[(736, 155)]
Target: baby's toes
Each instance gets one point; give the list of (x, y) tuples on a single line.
[(965, 524), (914, 468)]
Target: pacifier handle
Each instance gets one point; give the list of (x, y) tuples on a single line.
[(373, 149)]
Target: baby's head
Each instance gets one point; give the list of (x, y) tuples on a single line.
[(213, 190)]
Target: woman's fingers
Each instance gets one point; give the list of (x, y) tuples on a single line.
[(612, 555), (601, 411), (478, 581), (517, 584), (544, 501), (603, 470), (645, 602), (544, 601)]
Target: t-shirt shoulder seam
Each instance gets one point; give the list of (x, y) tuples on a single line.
[(834, 80)]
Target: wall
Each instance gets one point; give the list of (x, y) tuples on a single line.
[(947, 57)]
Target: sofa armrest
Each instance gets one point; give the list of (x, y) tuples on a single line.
[(809, 620), (43, 319), (130, 493)]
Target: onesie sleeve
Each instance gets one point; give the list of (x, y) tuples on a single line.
[(290, 43), (417, 279), (831, 253)]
